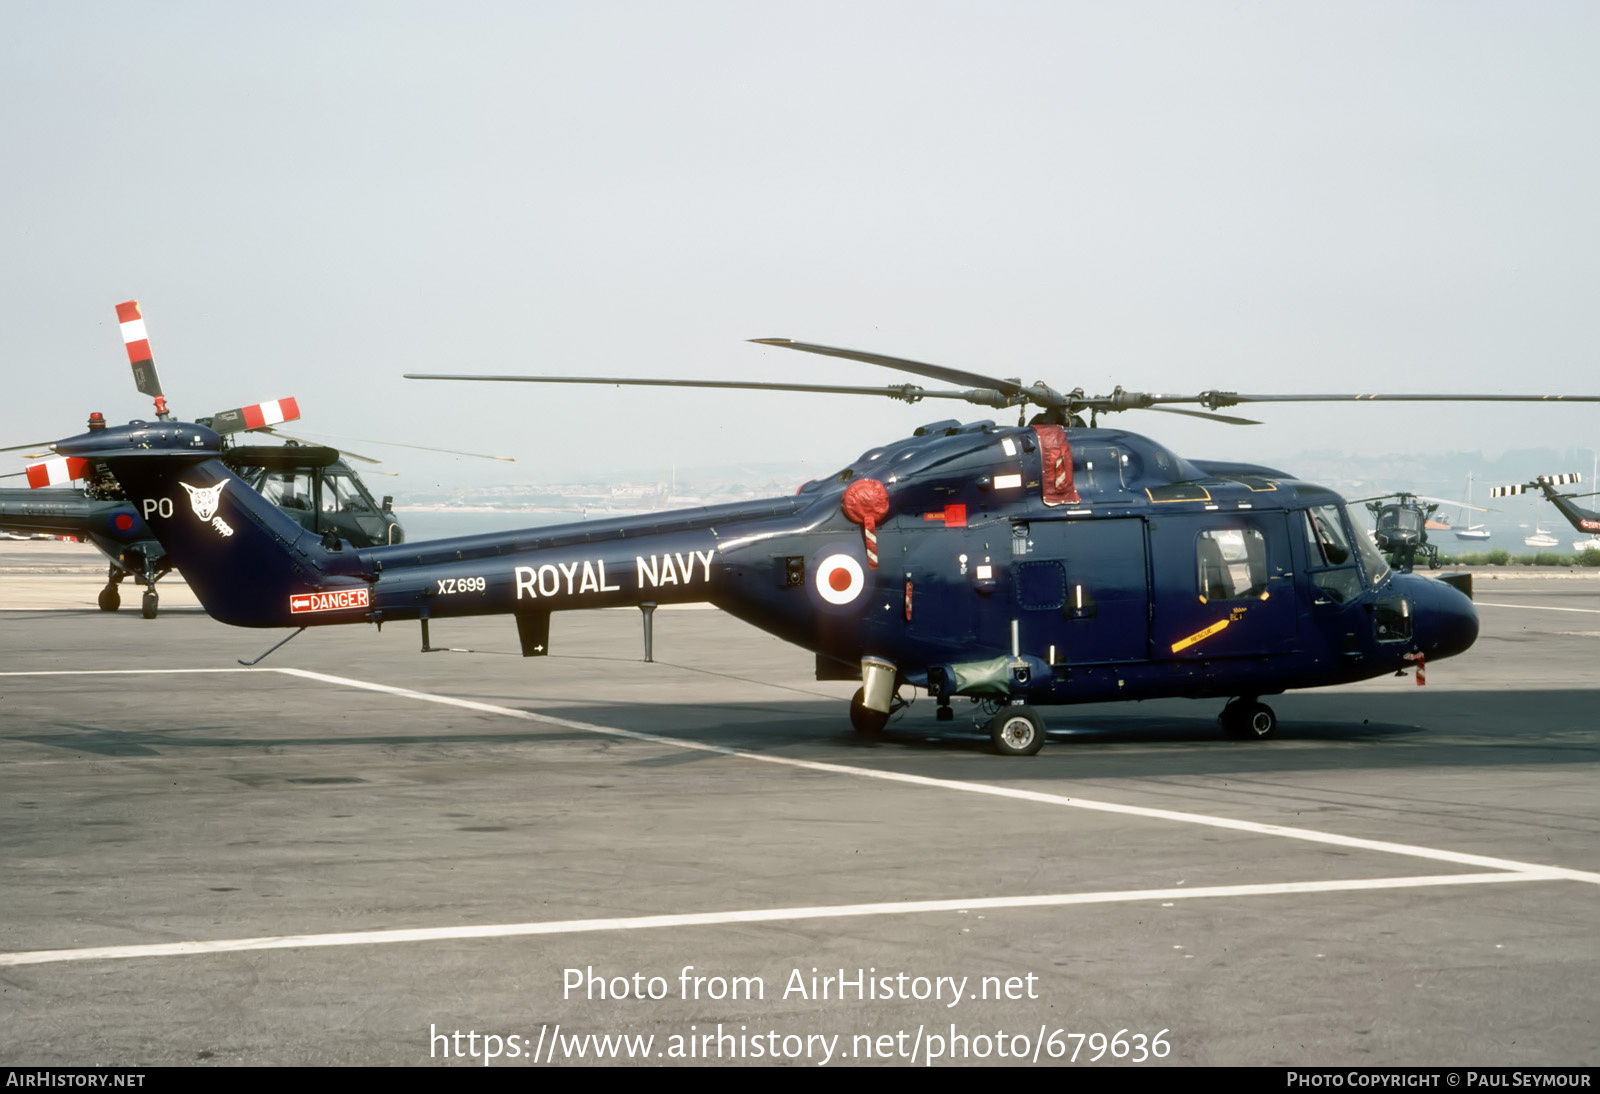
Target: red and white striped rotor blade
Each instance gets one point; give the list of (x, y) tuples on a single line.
[(56, 472), (255, 417), (137, 339)]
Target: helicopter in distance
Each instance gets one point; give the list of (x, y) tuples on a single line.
[(1400, 526), (1052, 563), (312, 483), (1584, 520)]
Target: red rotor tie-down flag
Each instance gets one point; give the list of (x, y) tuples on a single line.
[(1056, 455), (866, 502)]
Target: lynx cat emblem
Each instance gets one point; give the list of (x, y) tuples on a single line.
[(205, 499)]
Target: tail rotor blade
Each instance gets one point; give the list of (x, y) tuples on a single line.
[(56, 472)]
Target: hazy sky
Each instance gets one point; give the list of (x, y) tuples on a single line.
[(313, 198)]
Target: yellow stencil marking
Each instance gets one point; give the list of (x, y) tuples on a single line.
[(1199, 636)]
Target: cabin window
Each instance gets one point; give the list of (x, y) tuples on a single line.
[(1232, 564)]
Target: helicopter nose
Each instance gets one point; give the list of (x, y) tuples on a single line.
[(1444, 623)]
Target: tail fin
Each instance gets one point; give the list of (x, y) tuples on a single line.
[(244, 558)]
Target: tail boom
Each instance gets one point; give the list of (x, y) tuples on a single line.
[(252, 565)]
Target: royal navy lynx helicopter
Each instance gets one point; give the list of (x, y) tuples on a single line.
[(1021, 566), (312, 483), (1400, 526)]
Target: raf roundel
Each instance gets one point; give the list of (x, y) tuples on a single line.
[(839, 579)]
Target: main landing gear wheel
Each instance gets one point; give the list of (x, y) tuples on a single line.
[(1248, 719), (148, 604), (868, 723), (1017, 731), (110, 599)]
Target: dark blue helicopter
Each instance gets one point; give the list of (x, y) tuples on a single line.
[(1021, 566), (313, 483)]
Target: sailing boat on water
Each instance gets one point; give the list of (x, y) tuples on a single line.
[(1540, 538), (1474, 532)]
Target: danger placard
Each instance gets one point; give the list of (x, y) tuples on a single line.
[(328, 602)]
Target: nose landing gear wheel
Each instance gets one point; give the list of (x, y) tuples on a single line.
[(110, 599), (148, 604), (1017, 731), (1248, 719), (868, 723)]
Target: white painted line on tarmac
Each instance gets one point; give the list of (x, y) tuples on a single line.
[(89, 606), (123, 672), (1535, 607), (756, 915), (1257, 828)]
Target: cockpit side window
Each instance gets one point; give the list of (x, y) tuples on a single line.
[(1327, 532), (1332, 560), (1371, 558)]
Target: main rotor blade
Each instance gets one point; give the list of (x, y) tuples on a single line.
[(1232, 398), (1208, 415), (293, 437), (1456, 504), (933, 372), (421, 447), (909, 393), (1422, 497)]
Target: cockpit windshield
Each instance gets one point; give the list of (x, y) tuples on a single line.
[(290, 489), (1400, 520), (342, 494), (1371, 558)]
